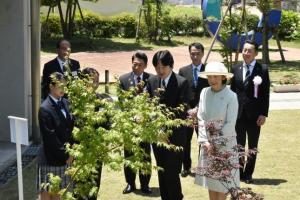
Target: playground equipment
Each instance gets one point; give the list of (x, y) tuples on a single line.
[(212, 14)]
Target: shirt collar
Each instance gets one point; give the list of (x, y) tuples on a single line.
[(198, 67), (61, 63), (135, 76), (252, 64), (167, 78), (54, 99)]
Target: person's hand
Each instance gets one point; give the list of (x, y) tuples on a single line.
[(208, 148), (70, 160), (261, 120)]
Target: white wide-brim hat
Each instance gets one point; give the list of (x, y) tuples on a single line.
[(215, 69)]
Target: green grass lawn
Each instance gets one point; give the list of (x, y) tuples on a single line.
[(276, 175), (289, 70)]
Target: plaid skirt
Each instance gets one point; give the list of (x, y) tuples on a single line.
[(42, 176)]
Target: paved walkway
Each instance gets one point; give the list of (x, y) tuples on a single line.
[(284, 101)]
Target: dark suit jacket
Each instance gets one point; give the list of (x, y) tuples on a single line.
[(51, 67), (127, 80), (249, 105), (187, 72), (56, 131), (176, 93)]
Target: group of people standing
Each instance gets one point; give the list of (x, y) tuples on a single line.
[(242, 108)]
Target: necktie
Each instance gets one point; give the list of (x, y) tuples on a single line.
[(60, 104), (138, 79), (247, 76), (163, 83), (195, 74)]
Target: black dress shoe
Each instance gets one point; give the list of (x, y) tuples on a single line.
[(248, 180), (146, 190), (129, 188), (185, 173)]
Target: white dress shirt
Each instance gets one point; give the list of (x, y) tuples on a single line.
[(252, 64)]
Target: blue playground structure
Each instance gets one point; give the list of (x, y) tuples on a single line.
[(212, 11)]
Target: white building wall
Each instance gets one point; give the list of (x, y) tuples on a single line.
[(15, 70)]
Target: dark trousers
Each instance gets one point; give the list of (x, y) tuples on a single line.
[(168, 179), (130, 174), (247, 129), (187, 161)]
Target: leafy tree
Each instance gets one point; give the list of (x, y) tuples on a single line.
[(153, 17), (66, 16)]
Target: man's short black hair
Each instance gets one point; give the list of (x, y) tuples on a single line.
[(60, 41), (252, 42), (197, 45), (165, 57), (140, 55), (90, 71)]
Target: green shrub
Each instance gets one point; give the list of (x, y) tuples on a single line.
[(52, 27), (125, 25), (175, 20), (252, 22), (237, 26), (289, 25)]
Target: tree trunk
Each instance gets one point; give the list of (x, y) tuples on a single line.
[(156, 21), (265, 44), (138, 24), (62, 21)]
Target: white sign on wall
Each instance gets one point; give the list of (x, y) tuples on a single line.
[(18, 126)]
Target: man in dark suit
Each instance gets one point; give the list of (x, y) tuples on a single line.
[(176, 92), (59, 64), (196, 84), (251, 83), (137, 78)]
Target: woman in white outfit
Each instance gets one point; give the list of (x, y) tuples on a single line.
[(217, 103)]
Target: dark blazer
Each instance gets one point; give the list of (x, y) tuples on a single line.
[(56, 131), (249, 105), (187, 72), (127, 80), (176, 93), (53, 66)]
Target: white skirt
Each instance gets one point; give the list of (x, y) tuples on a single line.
[(213, 184)]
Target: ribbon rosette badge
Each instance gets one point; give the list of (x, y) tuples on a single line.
[(257, 81)]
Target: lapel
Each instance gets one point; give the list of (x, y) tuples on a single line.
[(189, 75), (239, 75), (58, 68), (156, 85), (199, 85), (130, 82), (169, 93), (145, 77), (254, 73), (57, 109), (68, 114)]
